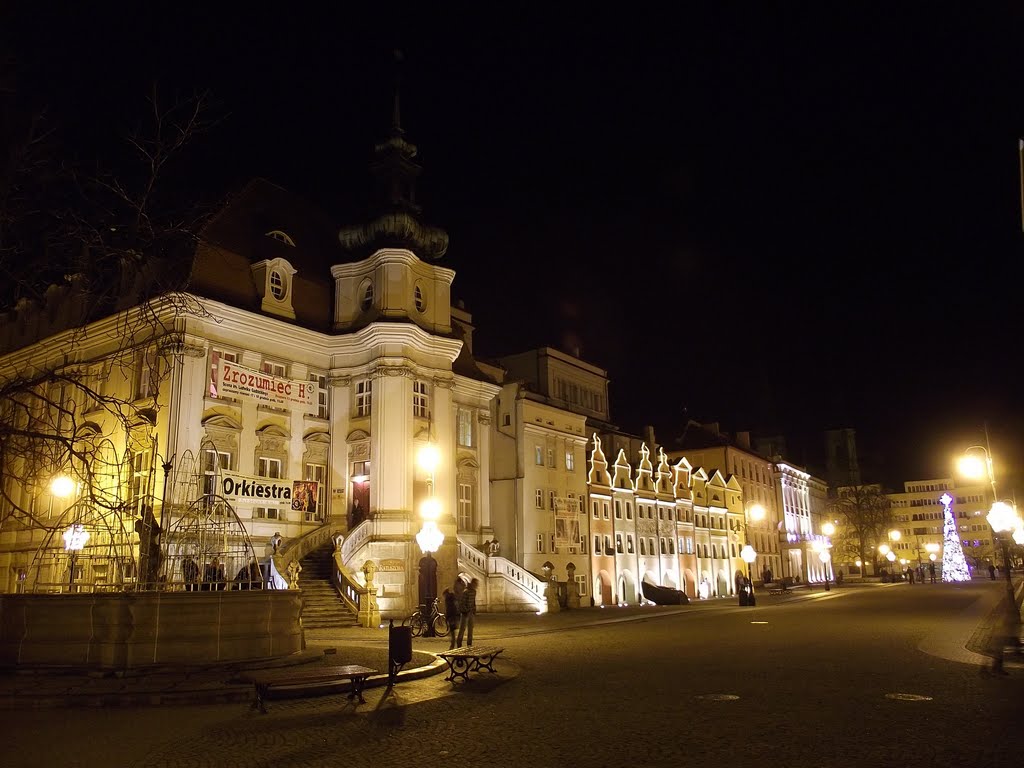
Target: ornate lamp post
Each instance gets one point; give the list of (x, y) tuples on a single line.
[(429, 538), (1005, 522), (74, 542)]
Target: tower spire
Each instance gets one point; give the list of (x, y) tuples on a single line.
[(395, 171)]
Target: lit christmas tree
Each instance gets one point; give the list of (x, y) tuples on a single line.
[(954, 564)]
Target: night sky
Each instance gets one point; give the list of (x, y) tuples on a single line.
[(784, 218)]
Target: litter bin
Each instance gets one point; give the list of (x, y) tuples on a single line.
[(399, 649)]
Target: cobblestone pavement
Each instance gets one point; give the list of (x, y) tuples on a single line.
[(848, 677)]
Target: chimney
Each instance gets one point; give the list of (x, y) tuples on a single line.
[(743, 440)]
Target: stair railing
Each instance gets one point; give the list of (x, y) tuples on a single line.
[(293, 550)]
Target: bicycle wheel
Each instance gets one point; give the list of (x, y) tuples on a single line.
[(417, 624), (440, 625)]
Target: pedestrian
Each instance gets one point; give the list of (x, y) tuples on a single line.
[(190, 571), (451, 613), (467, 609), (931, 570), (740, 580), (1005, 633), (276, 541), (992, 571), (910, 575)]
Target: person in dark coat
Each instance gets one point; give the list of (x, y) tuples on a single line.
[(451, 615), (190, 572)]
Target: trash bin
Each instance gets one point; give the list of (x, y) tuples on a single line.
[(743, 597), (399, 649)]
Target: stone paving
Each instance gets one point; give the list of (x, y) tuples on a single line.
[(531, 712), (964, 642)]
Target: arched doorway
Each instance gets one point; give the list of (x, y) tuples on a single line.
[(627, 589)]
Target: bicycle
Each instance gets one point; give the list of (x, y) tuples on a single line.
[(418, 622)]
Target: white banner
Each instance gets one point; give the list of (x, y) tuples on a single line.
[(264, 491), (234, 380)]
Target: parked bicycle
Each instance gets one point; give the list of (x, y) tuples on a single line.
[(420, 620)]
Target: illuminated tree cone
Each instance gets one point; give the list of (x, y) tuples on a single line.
[(954, 564)]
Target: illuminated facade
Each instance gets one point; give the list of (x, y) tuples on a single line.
[(309, 356), (918, 515), (668, 525)]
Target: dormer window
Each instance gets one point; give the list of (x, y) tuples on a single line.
[(281, 237), (367, 301), (421, 303), (273, 278)]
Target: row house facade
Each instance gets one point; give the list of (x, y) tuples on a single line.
[(671, 526)]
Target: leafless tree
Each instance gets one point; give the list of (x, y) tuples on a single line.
[(94, 264), (866, 516)]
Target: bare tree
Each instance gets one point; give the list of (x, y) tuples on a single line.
[(866, 515), (93, 263)]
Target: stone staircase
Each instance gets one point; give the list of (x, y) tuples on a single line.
[(322, 607)]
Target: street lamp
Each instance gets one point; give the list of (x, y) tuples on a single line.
[(749, 555), (755, 513), (74, 542), (1004, 519), (429, 538)]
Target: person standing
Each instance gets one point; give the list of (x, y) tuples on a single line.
[(451, 613), (992, 571), (467, 607), (190, 570), (910, 575), (931, 570)]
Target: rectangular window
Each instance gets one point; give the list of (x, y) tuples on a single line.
[(604, 509), (216, 356), (465, 427), (650, 546), (551, 500), (268, 513), (581, 586), (538, 455), (274, 369), (465, 506), (318, 474), (618, 509), (538, 498), (551, 457), (364, 394), (597, 545), (138, 478), (420, 399), (147, 373), (608, 545), (643, 547), (570, 460), (269, 467), (594, 507), (320, 380), (664, 545), (540, 542), (629, 510), (214, 462), (618, 543), (629, 543), (583, 544)]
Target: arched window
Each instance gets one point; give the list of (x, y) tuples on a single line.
[(277, 285), (421, 302), (367, 301), (281, 237)]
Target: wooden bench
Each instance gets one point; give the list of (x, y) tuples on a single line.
[(777, 589), (264, 680), (462, 661)]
